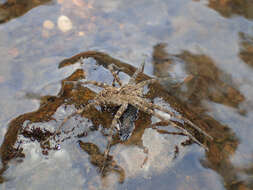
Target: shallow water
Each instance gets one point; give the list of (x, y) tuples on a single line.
[(205, 45)]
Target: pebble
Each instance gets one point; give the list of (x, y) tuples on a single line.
[(79, 3), (48, 24), (81, 33), (60, 1), (1, 81), (64, 23)]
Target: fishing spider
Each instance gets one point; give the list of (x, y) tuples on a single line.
[(130, 93)]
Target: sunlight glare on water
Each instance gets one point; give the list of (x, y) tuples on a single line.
[(206, 43)]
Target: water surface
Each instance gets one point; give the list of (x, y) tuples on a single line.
[(209, 43)]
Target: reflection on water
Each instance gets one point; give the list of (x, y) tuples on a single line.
[(98, 159), (208, 59), (207, 83), (11, 9), (38, 126), (246, 52), (228, 8), (29, 127)]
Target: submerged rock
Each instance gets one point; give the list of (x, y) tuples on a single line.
[(155, 156), (48, 24), (64, 23)]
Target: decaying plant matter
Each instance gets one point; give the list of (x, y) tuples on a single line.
[(130, 94)]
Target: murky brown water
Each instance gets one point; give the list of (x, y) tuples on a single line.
[(206, 47)]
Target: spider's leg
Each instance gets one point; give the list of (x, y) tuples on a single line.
[(119, 113), (152, 112), (136, 73), (152, 81), (154, 106), (172, 81), (114, 74), (58, 130), (95, 83), (79, 111)]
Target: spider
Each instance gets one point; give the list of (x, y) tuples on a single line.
[(130, 94)]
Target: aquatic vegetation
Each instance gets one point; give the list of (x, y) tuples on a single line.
[(131, 94), (119, 105)]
